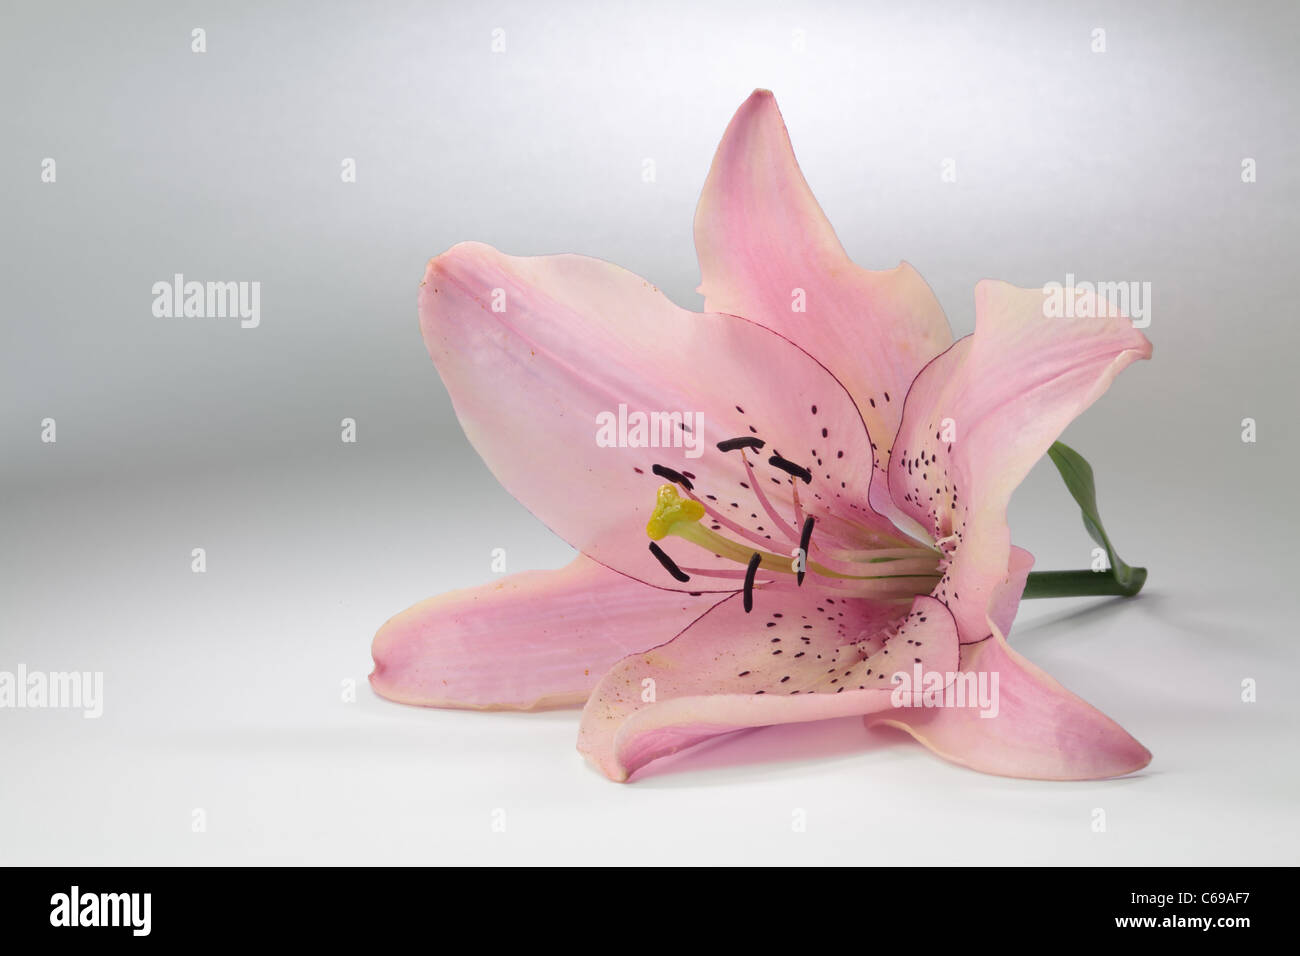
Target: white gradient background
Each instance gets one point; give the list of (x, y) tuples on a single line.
[(222, 689)]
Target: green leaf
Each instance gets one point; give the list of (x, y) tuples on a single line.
[(1077, 474)]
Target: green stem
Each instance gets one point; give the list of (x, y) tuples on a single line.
[(1051, 584)]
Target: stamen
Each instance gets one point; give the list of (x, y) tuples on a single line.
[(669, 564), (804, 537), (781, 524), (747, 441), (888, 575), (671, 475), (790, 468), (750, 571), (798, 506), (729, 574), (886, 591), (732, 526)]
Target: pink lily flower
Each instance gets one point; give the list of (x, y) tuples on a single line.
[(829, 510)]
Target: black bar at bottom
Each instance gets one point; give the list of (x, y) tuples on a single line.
[(382, 906)]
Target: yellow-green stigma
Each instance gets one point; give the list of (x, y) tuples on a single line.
[(671, 508)]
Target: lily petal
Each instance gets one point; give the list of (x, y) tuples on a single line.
[(980, 415), (1006, 596), (529, 641), (1040, 731), (811, 659), (764, 243), (534, 351)]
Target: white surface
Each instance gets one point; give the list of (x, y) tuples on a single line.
[(222, 692)]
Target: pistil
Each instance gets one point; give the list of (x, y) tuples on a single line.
[(892, 574)]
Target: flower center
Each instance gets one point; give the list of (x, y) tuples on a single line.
[(890, 574)]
